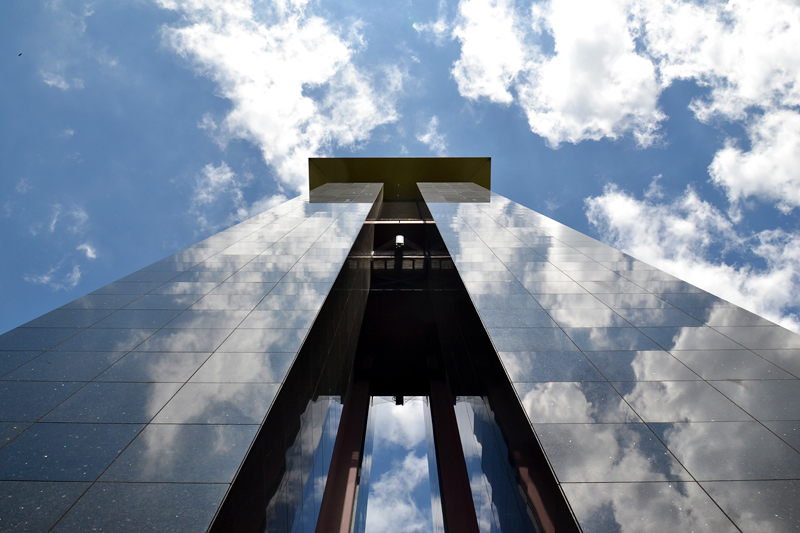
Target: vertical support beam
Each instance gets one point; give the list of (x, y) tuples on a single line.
[(336, 509), (457, 503)]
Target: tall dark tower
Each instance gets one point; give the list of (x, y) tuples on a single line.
[(239, 385)]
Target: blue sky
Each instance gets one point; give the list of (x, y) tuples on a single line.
[(130, 129)]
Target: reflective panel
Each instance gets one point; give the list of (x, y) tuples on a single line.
[(398, 478)]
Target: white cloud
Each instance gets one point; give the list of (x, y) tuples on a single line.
[(595, 69), (68, 133), (770, 170), (680, 238), (215, 186), (54, 218), (439, 30), (60, 82), (23, 185), (56, 279), (88, 249), (290, 76), (492, 54), (433, 139), (391, 506)]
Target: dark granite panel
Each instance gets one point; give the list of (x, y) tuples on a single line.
[(679, 401), (64, 452), (607, 453), (245, 367), (764, 399), (655, 365), (573, 402), (128, 403), (759, 506), (219, 403), (36, 505), (65, 366), (549, 366), (145, 507), (660, 506), (155, 366), (28, 401), (185, 453), (729, 451)]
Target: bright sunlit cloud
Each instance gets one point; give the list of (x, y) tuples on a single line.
[(290, 75)]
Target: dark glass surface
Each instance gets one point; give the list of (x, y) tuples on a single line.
[(573, 402), (64, 452), (264, 340), (655, 365), (227, 302), (128, 287), (142, 507), (191, 319), (660, 506), (530, 339), (730, 364), (279, 319), (155, 366), (9, 430), (105, 340), (762, 337), (36, 505), (128, 403), (243, 288), (69, 318), (727, 316), (164, 301), (514, 318), (552, 287), (729, 450), (126, 318), (245, 367), (549, 366), (580, 318), (689, 338), (29, 339), (493, 301), (633, 301), (9, 360), (186, 453), (219, 403), (604, 339), (658, 317), (688, 300), (150, 275), (204, 275), (184, 340), (757, 506), (788, 360), (679, 401), (27, 401), (787, 430), (765, 400), (65, 366), (569, 301), (608, 452), (279, 302), (101, 301)]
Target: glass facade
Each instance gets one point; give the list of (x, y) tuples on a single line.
[(587, 390), (659, 406)]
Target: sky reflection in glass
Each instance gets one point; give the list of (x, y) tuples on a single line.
[(396, 474)]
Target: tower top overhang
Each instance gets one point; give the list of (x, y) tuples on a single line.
[(399, 175)]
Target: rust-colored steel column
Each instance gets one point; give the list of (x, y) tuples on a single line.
[(458, 507), (336, 509)]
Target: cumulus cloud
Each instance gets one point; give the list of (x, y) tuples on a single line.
[(492, 52), (290, 76), (591, 70), (56, 278), (433, 139), (684, 237), (770, 170)]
